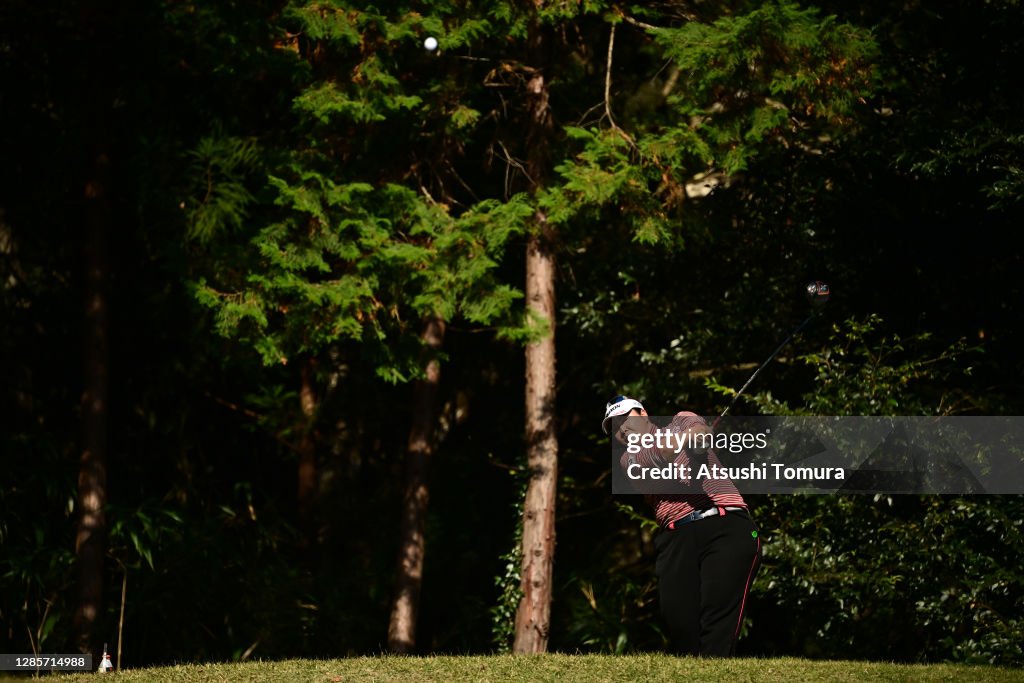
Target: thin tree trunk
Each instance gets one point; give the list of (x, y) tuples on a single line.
[(534, 614), (90, 540), (307, 480), (409, 574), (533, 618)]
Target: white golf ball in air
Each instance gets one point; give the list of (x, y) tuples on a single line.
[(430, 43)]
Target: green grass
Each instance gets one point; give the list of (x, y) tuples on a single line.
[(558, 668)]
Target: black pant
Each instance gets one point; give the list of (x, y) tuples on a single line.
[(705, 569)]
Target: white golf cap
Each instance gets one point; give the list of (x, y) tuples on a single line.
[(620, 405)]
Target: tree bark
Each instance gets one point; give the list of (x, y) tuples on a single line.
[(90, 539), (412, 542), (534, 614), (307, 481), (533, 617)]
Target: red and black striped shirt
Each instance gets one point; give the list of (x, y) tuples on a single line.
[(707, 493)]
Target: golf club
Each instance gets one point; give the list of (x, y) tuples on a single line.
[(817, 293)]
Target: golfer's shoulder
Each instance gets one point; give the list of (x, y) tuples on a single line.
[(686, 419)]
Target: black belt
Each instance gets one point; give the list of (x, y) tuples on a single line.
[(701, 514)]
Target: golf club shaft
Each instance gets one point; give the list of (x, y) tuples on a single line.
[(756, 372)]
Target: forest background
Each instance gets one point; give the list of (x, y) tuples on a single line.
[(307, 330)]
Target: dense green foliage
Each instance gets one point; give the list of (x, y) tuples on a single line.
[(300, 184)]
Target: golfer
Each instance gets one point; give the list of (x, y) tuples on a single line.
[(708, 550)]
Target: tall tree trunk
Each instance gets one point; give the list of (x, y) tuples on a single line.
[(409, 574), (307, 481), (533, 618), (534, 614), (90, 540)]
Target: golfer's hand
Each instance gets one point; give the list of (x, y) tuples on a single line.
[(697, 437)]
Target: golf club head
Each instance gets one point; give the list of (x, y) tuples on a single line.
[(817, 292)]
